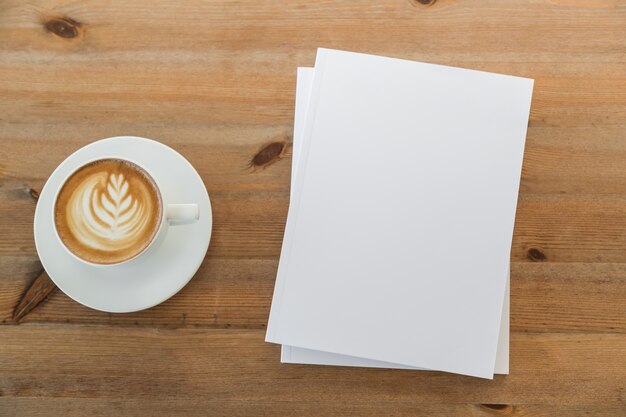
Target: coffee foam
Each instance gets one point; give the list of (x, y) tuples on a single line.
[(108, 211)]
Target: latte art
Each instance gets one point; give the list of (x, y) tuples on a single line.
[(106, 218), (108, 211)]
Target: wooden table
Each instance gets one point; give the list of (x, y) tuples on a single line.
[(216, 80)]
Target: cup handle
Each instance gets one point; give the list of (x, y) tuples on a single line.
[(182, 213)]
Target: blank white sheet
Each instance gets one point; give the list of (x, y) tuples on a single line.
[(401, 255), (293, 354)]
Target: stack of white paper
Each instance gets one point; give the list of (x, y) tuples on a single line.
[(404, 189)]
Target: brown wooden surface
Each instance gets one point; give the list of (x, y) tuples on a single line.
[(216, 81)]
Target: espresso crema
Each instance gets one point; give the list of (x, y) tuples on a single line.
[(108, 211)]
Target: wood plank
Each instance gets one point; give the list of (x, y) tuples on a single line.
[(236, 365), (574, 161), (556, 161), (583, 160), (565, 227), (220, 154), (224, 293), (568, 297), (201, 407), (574, 102), (228, 25), (545, 297), (570, 228)]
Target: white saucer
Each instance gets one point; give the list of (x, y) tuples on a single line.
[(147, 281)]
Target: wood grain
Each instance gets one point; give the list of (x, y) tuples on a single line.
[(36, 294), (216, 81), (232, 365), (236, 293), (80, 407)]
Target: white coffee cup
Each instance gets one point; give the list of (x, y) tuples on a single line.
[(172, 214)]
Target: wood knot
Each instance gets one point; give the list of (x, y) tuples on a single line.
[(536, 255), (268, 154), (33, 193), (423, 2), (500, 409), (63, 26)]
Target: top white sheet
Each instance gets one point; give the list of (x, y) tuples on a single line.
[(397, 241), (292, 354)]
